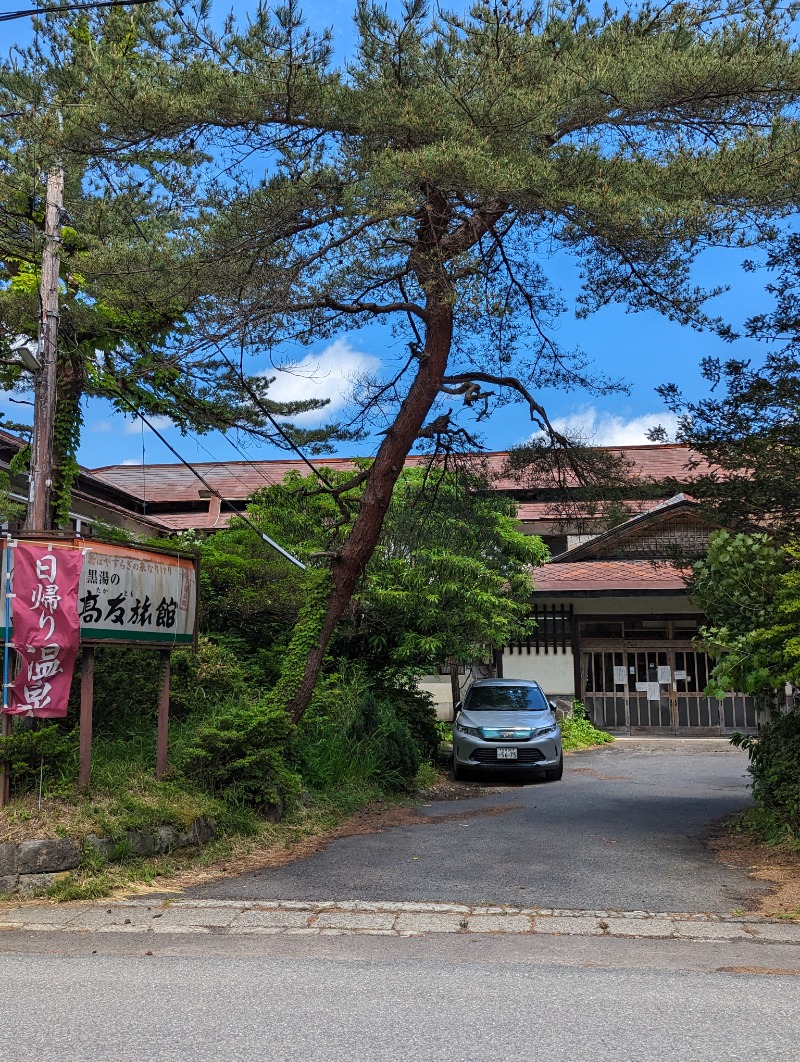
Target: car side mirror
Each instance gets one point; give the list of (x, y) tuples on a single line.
[(552, 706), (457, 707)]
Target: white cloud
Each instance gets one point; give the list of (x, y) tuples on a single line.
[(132, 461), (134, 426), (329, 374), (101, 425), (609, 429)]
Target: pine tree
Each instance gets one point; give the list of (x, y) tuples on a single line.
[(427, 183)]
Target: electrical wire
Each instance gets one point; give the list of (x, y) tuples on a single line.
[(254, 396), (33, 12), (244, 518)]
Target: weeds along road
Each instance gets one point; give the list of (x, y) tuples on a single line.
[(624, 830)]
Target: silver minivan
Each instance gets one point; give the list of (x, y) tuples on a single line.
[(507, 725)]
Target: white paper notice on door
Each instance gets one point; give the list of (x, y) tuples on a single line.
[(653, 691), (620, 676), (664, 674), (680, 675), (642, 687)]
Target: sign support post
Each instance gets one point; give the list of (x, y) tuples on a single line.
[(5, 722), (87, 705), (162, 740), (5, 730)]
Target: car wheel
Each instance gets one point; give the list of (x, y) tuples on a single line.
[(555, 774)]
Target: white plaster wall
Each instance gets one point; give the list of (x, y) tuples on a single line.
[(554, 672), (438, 686)]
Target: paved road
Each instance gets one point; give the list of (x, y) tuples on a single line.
[(94, 998), (623, 830)]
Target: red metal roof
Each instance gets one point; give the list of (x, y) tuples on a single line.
[(602, 576), (237, 480)]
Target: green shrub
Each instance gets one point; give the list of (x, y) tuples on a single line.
[(352, 736), (377, 720), (775, 768), (237, 753), (577, 731), (46, 754), (127, 682), (220, 672), (416, 709)]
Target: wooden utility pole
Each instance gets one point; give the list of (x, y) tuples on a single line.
[(44, 403)]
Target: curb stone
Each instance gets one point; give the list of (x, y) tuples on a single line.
[(356, 917)]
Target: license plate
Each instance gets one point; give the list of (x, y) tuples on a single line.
[(506, 754)]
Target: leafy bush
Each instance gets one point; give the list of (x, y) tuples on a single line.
[(220, 672), (378, 721), (237, 753), (577, 731), (354, 736), (775, 768), (46, 754), (416, 709)]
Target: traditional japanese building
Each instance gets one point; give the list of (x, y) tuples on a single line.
[(615, 629), (95, 502), (614, 622)]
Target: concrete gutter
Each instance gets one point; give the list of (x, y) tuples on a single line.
[(355, 917)]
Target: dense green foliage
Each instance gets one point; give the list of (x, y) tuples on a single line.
[(45, 756), (577, 731), (749, 588), (775, 770), (451, 574), (237, 752)]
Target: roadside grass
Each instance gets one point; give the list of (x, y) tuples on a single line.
[(764, 825), (124, 795)]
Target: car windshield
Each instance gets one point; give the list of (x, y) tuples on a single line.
[(506, 699)]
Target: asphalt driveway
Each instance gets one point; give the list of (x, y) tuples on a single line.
[(623, 830)]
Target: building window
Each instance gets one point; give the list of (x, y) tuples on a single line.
[(552, 633)]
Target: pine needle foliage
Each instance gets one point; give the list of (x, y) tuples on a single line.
[(427, 184)]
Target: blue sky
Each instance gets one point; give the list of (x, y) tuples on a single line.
[(643, 349)]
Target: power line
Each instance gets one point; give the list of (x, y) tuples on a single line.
[(32, 12), (254, 396), (245, 519)]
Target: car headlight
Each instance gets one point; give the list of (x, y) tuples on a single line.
[(474, 730), (546, 730)]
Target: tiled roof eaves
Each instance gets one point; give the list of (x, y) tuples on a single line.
[(640, 576)]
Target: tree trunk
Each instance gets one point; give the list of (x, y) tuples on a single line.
[(349, 563)]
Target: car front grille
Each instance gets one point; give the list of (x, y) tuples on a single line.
[(523, 756)]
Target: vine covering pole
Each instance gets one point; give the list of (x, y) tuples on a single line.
[(42, 462)]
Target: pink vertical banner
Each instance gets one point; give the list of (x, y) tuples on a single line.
[(46, 628)]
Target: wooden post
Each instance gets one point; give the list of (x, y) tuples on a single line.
[(44, 400), (162, 744), (87, 705), (5, 730), (455, 686), (576, 657)]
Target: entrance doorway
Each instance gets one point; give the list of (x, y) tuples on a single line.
[(659, 689)]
